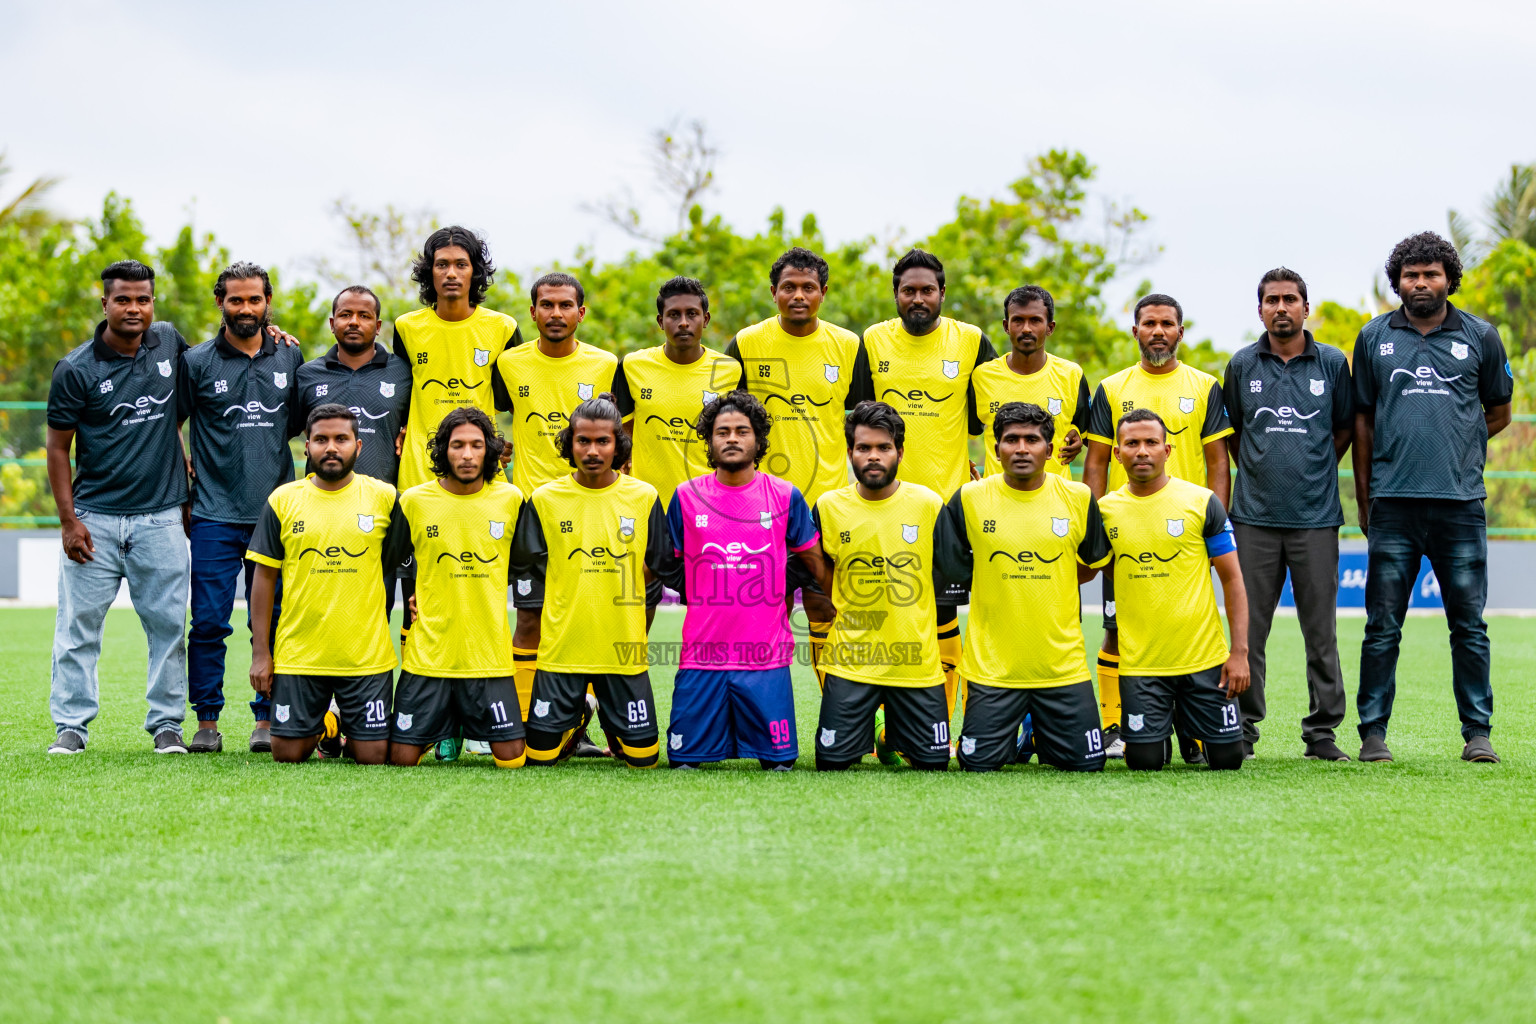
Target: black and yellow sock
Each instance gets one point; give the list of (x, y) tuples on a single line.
[(525, 662), (818, 637), (1109, 690), (640, 757), (516, 762), (950, 650), (545, 748)]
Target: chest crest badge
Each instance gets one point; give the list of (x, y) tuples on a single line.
[(627, 527), (710, 396), (365, 523), (165, 367), (583, 391), (765, 519), (831, 372), (1060, 526), (951, 367), (387, 388), (909, 533), (1315, 385), (279, 380), (498, 529), (1458, 350), (1053, 406), (482, 356), (1175, 527), (1186, 405)]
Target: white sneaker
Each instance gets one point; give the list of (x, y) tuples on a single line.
[(1116, 750), (477, 747)]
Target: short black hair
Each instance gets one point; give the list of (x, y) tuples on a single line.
[(482, 270), (1157, 299), (126, 270), (358, 289), (876, 416), (1028, 413), (330, 411), (241, 271), (1420, 249), (800, 258), (596, 410), (1025, 294), (437, 448), (1283, 274), (1142, 415), (557, 280), (744, 403), (916, 259), (681, 286)]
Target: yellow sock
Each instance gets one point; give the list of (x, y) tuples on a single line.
[(819, 631), (525, 662), (1109, 690), (950, 649), (331, 726), (405, 634), (516, 762)]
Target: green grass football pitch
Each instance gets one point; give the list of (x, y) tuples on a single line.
[(136, 887)]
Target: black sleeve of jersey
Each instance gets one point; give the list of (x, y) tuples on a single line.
[(621, 395), (1094, 547), (66, 397), (734, 351), (861, 387), (659, 558), (1343, 397), (515, 340), (398, 546), (1215, 517), (1495, 386), (741, 380), (1229, 398), (184, 396), (984, 350), (816, 519), (973, 422), (501, 398), (1101, 418), (1364, 378), (400, 349), (1080, 414), (951, 546), (1215, 413), (267, 538), (529, 552)]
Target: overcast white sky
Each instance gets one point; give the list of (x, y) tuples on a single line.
[(1314, 134)]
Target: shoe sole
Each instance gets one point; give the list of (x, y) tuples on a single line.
[(1336, 760), (64, 750), (1376, 760), (178, 749), (1482, 760), (206, 750), (261, 748)]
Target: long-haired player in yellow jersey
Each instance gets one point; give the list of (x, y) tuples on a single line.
[(1190, 403), (539, 385), (921, 363), (799, 366)]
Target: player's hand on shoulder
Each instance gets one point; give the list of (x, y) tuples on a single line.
[(280, 335)]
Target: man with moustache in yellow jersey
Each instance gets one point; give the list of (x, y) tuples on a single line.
[(1190, 403), (921, 363), (1030, 374), (799, 366), (539, 385), (450, 344)]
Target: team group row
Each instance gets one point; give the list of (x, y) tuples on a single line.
[(724, 475)]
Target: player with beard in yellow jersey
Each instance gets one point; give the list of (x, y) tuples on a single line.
[(921, 363), (539, 385), (326, 536), (1030, 374), (1024, 540), (1190, 403), (457, 679), (1167, 534), (800, 367), (591, 541), (883, 648), (451, 345)]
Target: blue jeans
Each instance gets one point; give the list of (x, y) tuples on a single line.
[(150, 552), (218, 556), (1453, 535)]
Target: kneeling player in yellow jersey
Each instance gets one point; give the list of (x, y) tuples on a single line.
[(326, 535), (591, 540), (539, 385), (1024, 540), (457, 676), (1028, 373), (1175, 662), (1190, 402), (883, 647), (799, 366), (921, 363)]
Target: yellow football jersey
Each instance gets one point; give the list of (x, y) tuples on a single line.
[(1164, 599), (926, 379), (330, 548), (662, 400), (592, 547), (450, 366), (886, 629), (803, 383), (1188, 400), (1058, 387), (1019, 550), (540, 391), (463, 547)]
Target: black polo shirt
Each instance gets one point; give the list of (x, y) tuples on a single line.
[(241, 410), (122, 410), (378, 393), (1429, 392), (1283, 417)]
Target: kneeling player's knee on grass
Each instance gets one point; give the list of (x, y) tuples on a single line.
[(370, 751), (826, 765), (405, 755), (510, 754), (1226, 757), (1144, 757), (288, 751)]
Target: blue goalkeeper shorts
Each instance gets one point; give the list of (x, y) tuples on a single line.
[(725, 713)]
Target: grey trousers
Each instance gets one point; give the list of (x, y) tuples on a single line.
[(1312, 556)]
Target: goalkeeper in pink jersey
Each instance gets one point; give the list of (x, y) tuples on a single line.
[(735, 531)]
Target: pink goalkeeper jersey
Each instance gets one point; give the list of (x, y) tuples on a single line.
[(735, 543)]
